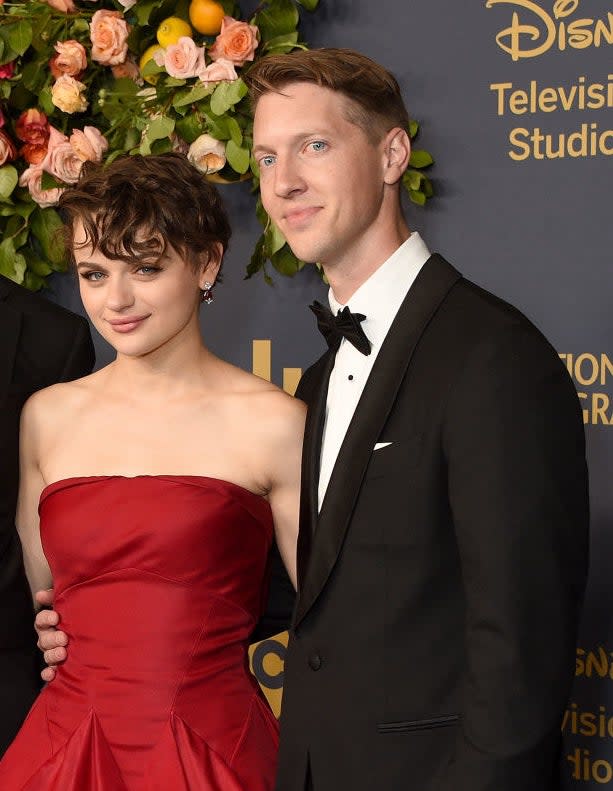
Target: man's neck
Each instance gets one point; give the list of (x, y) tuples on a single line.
[(346, 277)]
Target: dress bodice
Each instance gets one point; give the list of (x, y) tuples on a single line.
[(159, 582)]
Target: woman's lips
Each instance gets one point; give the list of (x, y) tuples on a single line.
[(128, 324)]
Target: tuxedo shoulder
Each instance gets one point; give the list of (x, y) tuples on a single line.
[(35, 306), (485, 313)]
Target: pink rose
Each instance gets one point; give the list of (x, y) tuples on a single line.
[(7, 70), (89, 144), (109, 34), (222, 69), (64, 163), (237, 41), (8, 150), (207, 154), (71, 58), (128, 69), (65, 6), (32, 127), (68, 95), (31, 178), (183, 59), (56, 139)]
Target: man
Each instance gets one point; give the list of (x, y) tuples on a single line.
[(40, 344), (444, 520), (443, 539)]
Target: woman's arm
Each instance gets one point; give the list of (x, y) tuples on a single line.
[(31, 484)]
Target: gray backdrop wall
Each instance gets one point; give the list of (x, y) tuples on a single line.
[(515, 100)]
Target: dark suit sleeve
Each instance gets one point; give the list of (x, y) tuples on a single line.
[(517, 479), (80, 358)]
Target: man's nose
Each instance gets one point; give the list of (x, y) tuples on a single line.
[(288, 178)]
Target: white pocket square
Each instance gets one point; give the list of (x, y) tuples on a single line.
[(380, 445)]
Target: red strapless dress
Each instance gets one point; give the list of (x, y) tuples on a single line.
[(159, 582)]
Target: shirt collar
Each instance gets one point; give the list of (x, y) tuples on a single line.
[(381, 295)]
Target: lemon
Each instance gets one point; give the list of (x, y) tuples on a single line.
[(145, 58), (206, 16), (171, 30)]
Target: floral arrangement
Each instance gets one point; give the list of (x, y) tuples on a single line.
[(138, 76)]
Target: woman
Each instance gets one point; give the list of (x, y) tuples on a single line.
[(159, 481)]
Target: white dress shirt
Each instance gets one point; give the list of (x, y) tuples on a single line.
[(378, 299)]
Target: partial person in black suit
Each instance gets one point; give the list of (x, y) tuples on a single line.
[(443, 542), (40, 344)]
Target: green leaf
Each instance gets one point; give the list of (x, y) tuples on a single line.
[(310, 5), (226, 95), (33, 77), (143, 10), (44, 101), (8, 181), (12, 263), (285, 262), (218, 127), (284, 43), (189, 128), (417, 197), (274, 239), (19, 36), (412, 179), (236, 132), (174, 82), (198, 92), (48, 182), (160, 128), (278, 18), (420, 159), (32, 281), (47, 228), (413, 129), (35, 263), (237, 157)]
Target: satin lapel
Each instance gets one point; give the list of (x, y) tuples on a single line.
[(433, 283), (311, 451), (10, 323)]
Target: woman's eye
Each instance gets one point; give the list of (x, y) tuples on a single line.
[(92, 276), (148, 270)]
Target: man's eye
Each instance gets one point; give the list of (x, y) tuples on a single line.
[(318, 145), (266, 162)]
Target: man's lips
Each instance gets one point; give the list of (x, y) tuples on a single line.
[(297, 217), (126, 324)]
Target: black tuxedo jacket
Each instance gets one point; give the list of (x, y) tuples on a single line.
[(440, 586), (40, 344)]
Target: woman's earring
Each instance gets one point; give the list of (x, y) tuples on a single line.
[(207, 293)]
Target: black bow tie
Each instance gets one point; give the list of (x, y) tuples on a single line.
[(344, 325)]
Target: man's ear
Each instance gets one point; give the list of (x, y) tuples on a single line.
[(211, 268), (397, 149)]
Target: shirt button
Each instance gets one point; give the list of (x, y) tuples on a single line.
[(314, 661)]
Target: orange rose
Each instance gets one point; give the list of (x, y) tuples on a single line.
[(32, 127), (33, 154), (237, 41), (109, 34)]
